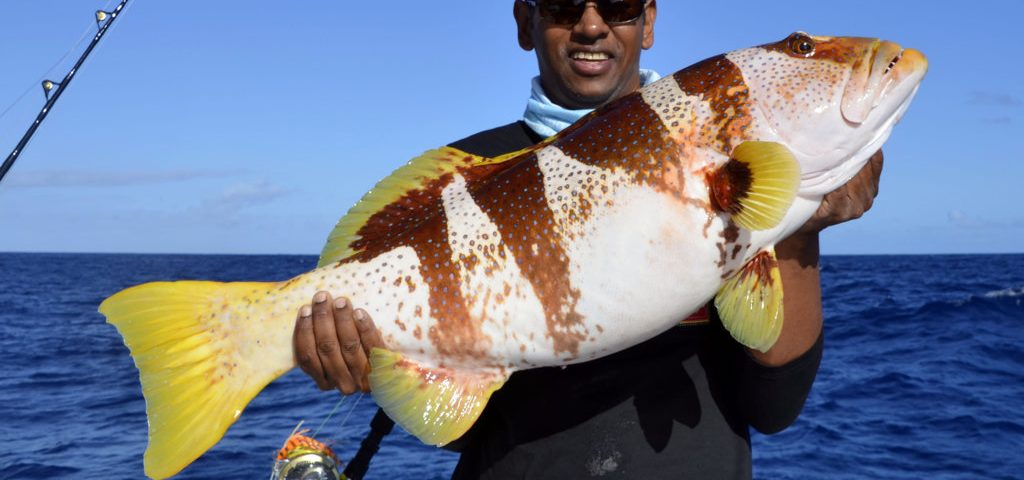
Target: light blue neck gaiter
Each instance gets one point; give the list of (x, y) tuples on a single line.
[(547, 118)]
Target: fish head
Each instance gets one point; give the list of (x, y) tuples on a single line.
[(832, 100)]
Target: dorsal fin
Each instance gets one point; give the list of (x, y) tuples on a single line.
[(401, 199)]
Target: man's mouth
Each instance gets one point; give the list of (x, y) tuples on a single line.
[(590, 64), (590, 56)]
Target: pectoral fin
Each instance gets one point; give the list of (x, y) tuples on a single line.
[(436, 405), (750, 302), (757, 185)]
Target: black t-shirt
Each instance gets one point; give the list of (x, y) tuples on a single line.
[(676, 406)]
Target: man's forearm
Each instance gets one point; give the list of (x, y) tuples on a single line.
[(798, 258)]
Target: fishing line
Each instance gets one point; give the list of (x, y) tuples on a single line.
[(329, 415), (350, 410), (107, 19), (46, 73)]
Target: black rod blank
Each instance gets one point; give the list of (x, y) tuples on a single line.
[(52, 99)]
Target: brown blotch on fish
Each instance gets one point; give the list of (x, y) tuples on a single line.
[(728, 185), (760, 266), (628, 137), (720, 83), (547, 272)]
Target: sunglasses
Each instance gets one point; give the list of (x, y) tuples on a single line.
[(568, 12)]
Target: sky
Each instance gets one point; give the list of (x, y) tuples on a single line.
[(252, 126)]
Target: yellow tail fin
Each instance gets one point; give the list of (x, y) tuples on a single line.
[(198, 363)]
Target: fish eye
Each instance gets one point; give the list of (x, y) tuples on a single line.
[(801, 44)]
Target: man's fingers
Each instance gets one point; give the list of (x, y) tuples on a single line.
[(368, 332), (304, 345), (877, 162), (348, 335), (370, 337), (328, 346)]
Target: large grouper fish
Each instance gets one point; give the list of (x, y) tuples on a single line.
[(474, 268)]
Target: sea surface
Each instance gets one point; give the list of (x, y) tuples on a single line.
[(923, 376)]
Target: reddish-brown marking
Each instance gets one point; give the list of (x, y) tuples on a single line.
[(416, 206), (720, 83), (729, 235), (515, 202), (455, 334), (760, 266), (627, 136), (730, 184)]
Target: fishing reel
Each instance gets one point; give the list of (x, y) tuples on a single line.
[(303, 458)]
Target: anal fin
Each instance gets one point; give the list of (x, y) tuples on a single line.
[(750, 302), (436, 405)]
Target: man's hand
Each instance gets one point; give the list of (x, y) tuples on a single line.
[(849, 201), (332, 342)]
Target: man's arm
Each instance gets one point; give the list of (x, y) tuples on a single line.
[(798, 258), (773, 385)]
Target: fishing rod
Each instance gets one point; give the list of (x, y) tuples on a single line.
[(52, 89)]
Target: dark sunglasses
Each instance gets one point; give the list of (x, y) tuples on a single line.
[(568, 12)]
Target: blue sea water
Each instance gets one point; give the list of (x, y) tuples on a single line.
[(923, 376)]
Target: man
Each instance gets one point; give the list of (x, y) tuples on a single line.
[(677, 406)]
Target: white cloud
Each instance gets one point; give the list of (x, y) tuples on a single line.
[(237, 197), (92, 178), (965, 220), (995, 99)]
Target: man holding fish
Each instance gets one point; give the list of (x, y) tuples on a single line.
[(678, 405)]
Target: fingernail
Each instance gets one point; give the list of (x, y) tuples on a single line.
[(360, 315), (305, 311), (339, 303), (320, 297)]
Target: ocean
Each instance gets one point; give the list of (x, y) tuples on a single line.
[(923, 376)]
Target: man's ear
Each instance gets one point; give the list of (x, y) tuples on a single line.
[(650, 14), (524, 28)]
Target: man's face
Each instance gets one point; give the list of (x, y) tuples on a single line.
[(589, 63)]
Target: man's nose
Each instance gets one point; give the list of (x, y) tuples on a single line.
[(591, 24)]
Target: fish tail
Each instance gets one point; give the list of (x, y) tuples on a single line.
[(197, 362)]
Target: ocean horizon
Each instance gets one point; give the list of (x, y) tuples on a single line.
[(922, 374)]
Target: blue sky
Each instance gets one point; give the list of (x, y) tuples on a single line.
[(251, 126)]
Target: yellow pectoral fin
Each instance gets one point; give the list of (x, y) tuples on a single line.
[(750, 302), (435, 405), (757, 185)]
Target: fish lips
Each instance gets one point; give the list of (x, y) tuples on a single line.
[(886, 65)]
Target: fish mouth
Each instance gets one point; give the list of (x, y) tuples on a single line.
[(886, 67)]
